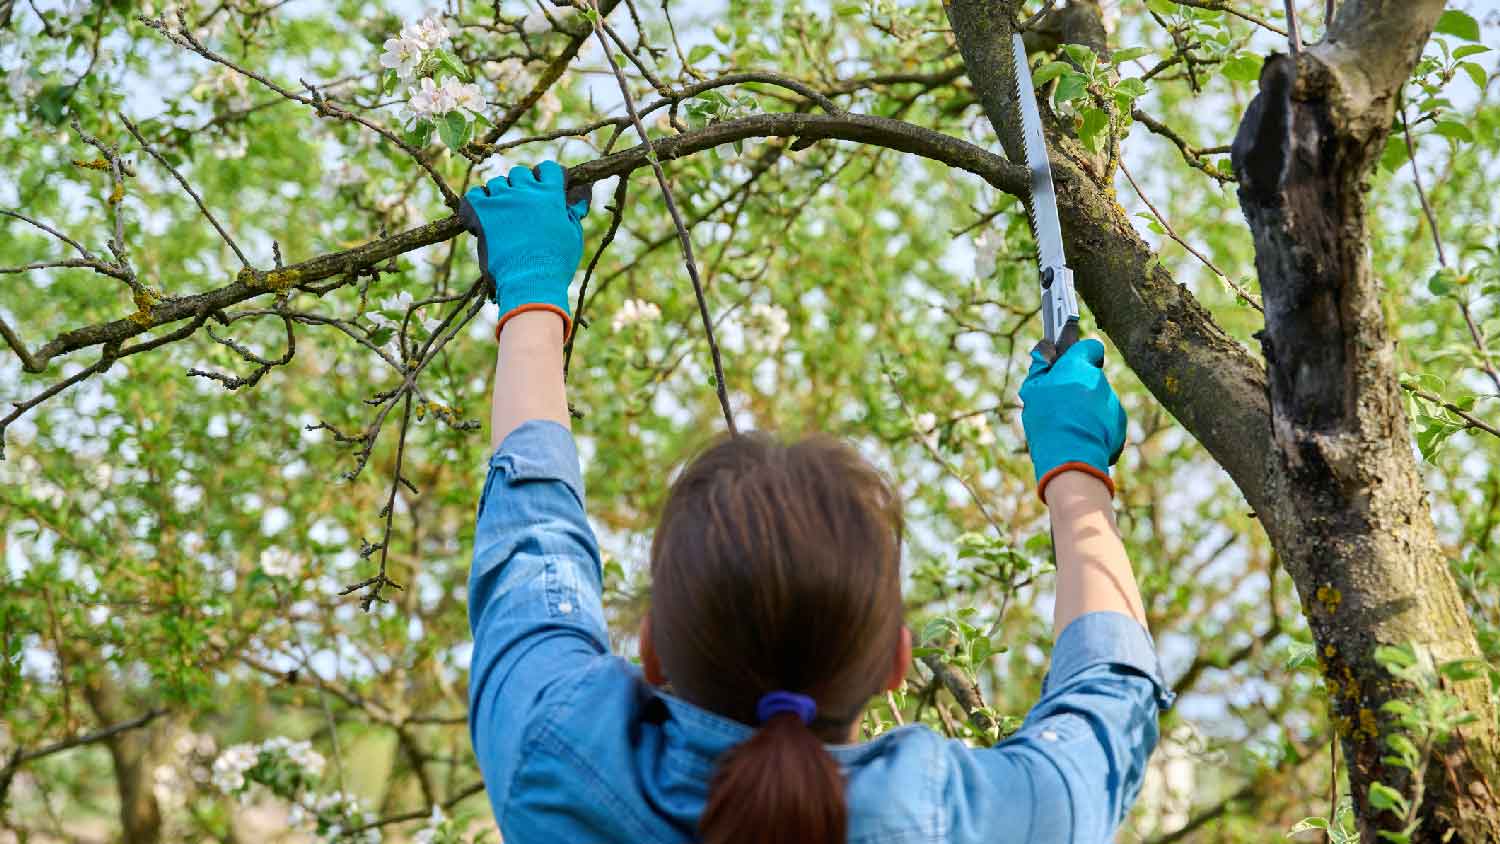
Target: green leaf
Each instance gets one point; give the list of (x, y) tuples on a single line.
[(380, 335), (1461, 670), (699, 53), (1127, 92), (1476, 73), (1242, 67), (1384, 797), (453, 64), (1091, 130), (1125, 55), (848, 10), (1400, 656), (1442, 282), (419, 134), (52, 102), (1396, 153), (1454, 130), (1307, 824), (1084, 56), (1458, 24), (1395, 837), (454, 129), (389, 81), (1470, 50), (1162, 7), (1071, 86), (1050, 71)]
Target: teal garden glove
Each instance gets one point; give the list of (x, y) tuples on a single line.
[(530, 239), (1073, 420)]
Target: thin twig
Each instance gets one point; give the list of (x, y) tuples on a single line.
[(1240, 292), (1191, 154), (1293, 37), (682, 232), (184, 37), (130, 127), (49, 230), (617, 212), (1470, 420), (1221, 6), (1437, 242)]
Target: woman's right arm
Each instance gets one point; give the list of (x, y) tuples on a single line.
[(1074, 768)]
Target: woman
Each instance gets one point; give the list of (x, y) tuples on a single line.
[(776, 615)]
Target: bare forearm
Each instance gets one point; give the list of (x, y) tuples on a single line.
[(1093, 571), (528, 374)]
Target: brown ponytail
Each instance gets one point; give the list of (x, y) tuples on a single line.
[(780, 787), (777, 568)]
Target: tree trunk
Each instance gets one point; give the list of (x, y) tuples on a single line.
[(1318, 443), (130, 751), (1348, 512)]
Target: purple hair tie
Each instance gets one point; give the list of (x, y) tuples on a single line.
[(774, 703)]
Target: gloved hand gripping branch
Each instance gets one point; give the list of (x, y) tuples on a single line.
[(1073, 419), (530, 239)]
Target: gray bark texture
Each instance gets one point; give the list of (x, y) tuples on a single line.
[(1317, 439)]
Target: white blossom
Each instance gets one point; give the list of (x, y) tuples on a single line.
[(279, 562), (772, 322), (428, 33), (431, 324), (402, 55), (979, 425), (74, 10), (399, 302), (986, 247), (229, 769), (465, 96), (429, 833), (633, 311), (926, 422)]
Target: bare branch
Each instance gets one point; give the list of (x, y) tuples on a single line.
[(49, 230), (617, 215), (1191, 154), (682, 233), (1172, 233)]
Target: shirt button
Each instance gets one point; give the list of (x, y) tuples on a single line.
[(1049, 735), (565, 607)]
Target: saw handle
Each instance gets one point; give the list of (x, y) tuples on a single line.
[(1065, 340)]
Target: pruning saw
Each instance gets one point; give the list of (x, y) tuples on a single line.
[(1059, 301)]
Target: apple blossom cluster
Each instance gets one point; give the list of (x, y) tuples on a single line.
[(329, 813), (415, 57), (230, 769), (978, 426), (279, 562), (633, 311), (771, 321)]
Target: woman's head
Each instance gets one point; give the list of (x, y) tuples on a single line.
[(777, 568)]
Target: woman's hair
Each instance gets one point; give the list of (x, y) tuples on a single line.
[(777, 567)]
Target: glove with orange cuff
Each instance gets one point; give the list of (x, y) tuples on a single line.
[(530, 239), (1073, 419)]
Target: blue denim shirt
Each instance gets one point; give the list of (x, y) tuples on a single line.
[(575, 746)]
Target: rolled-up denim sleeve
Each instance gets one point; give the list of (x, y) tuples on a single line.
[(535, 590), (1073, 770)]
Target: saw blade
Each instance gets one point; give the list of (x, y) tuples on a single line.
[(1043, 205)]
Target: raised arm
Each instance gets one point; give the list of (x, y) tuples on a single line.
[(535, 606), (1074, 768), (1075, 429)]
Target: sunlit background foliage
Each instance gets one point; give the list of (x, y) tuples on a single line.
[(176, 554)]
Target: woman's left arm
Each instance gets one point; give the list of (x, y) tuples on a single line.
[(535, 587)]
